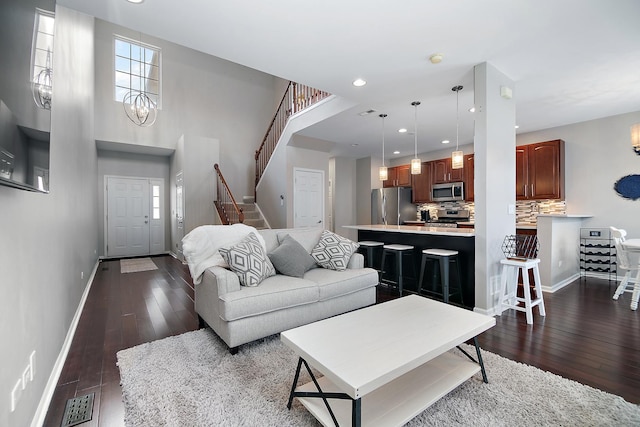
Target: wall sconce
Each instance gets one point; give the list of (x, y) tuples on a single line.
[(635, 138)]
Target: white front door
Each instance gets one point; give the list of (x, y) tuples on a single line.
[(308, 198), (135, 216)]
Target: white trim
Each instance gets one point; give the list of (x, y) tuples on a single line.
[(266, 223), (561, 284), (47, 394)]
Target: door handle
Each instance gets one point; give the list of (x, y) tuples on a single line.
[(320, 222), (146, 222)]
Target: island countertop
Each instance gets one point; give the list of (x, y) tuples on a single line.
[(415, 229)]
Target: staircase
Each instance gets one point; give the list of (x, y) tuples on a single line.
[(296, 98), (252, 215)]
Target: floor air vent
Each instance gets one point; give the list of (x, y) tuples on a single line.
[(78, 410)]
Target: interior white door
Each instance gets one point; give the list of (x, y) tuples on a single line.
[(308, 198), (127, 216)]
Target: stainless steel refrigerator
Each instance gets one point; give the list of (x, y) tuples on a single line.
[(392, 206)]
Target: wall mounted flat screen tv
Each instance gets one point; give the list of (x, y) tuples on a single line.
[(26, 52)]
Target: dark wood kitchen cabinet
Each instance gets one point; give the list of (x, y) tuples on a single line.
[(421, 184), (468, 178), (540, 171), (443, 173), (399, 176)]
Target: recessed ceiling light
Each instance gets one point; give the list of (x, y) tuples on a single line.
[(135, 1), (472, 109), (359, 82), (396, 152), (446, 141), (436, 58), (402, 130), (354, 145)]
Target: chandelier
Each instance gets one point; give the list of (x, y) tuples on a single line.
[(42, 85)]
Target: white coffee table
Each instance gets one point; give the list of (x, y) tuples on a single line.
[(384, 364)]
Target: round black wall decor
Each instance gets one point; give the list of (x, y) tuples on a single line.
[(628, 187)]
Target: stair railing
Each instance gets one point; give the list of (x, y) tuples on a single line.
[(228, 209), (296, 98)]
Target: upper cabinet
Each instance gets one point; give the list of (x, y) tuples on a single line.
[(399, 176), (540, 171), (421, 184), (468, 177), (443, 173)]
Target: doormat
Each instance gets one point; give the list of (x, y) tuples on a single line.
[(137, 264)]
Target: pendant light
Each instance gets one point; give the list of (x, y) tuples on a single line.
[(383, 172), (635, 138), (457, 157), (416, 164), (42, 84)]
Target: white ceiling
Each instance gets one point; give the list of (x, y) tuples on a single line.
[(571, 60)]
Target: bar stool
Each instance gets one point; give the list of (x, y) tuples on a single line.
[(398, 252), (370, 246), (444, 258), (509, 281)]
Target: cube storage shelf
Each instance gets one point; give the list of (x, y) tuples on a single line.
[(597, 252)]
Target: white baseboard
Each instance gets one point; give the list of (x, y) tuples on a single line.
[(47, 394), (557, 286)]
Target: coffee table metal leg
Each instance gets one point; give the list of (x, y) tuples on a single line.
[(356, 413), (479, 361), (321, 394)]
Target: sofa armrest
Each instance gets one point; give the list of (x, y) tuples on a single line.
[(225, 280), (356, 261)]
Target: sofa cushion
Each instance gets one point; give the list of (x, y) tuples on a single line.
[(248, 260), (333, 251), (308, 237), (291, 259), (332, 284), (274, 293)]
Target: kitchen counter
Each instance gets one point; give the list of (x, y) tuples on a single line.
[(416, 229), (526, 226), (421, 237)]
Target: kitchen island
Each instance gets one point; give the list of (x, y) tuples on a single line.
[(421, 237)]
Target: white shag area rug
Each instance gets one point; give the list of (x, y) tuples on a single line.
[(135, 265), (193, 380)]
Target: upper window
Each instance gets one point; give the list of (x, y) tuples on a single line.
[(137, 69), (42, 50)]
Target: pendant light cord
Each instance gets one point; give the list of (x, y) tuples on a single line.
[(383, 116)]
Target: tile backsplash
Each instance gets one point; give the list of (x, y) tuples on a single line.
[(526, 210)]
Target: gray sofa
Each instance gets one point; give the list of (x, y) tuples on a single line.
[(240, 314)]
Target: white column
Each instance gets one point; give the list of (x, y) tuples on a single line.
[(495, 174)]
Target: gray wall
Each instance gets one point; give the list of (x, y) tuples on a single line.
[(344, 197), (597, 154), (202, 96), (48, 240)]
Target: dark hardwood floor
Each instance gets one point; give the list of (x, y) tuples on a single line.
[(586, 336)]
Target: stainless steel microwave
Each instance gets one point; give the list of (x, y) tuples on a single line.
[(451, 192)]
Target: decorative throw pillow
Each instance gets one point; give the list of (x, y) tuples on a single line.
[(333, 251), (291, 258), (248, 260)]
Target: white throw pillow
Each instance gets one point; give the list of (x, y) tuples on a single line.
[(333, 251), (249, 261)]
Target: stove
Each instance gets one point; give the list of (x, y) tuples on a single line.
[(449, 218)]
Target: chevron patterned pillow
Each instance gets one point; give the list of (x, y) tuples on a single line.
[(333, 251), (248, 260)]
